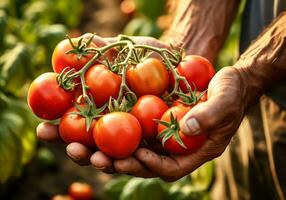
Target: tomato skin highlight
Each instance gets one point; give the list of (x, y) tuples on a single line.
[(192, 143), (146, 109), (80, 191), (117, 134), (148, 77), (72, 128), (47, 99), (197, 70), (61, 60), (102, 84)]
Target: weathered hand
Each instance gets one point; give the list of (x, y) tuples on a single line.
[(220, 116)]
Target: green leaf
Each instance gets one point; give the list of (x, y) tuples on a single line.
[(150, 8), (51, 35), (14, 67), (142, 27), (114, 187), (202, 177), (10, 153), (143, 189), (3, 23)]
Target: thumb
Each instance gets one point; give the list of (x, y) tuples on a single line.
[(205, 116)]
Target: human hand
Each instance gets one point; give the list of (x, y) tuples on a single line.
[(220, 117), (226, 90)]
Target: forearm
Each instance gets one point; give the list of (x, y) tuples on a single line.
[(201, 26), (264, 62)]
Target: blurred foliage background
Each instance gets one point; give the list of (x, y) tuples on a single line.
[(29, 30)]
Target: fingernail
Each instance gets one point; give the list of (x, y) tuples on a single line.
[(193, 126)]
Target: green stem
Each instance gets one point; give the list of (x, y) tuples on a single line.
[(82, 71), (124, 64)]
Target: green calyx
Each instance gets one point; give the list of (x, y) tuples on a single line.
[(89, 112), (172, 130), (81, 48), (125, 105), (192, 98), (66, 79)]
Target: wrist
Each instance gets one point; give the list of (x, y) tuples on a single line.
[(251, 83)]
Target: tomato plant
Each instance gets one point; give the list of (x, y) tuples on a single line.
[(72, 128), (102, 84), (71, 54), (80, 191), (148, 77), (174, 141), (197, 70), (117, 134), (47, 99), (146, 110)]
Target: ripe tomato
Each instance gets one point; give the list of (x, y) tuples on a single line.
[(62, 197), (47, 99), (192, 143), (80, 191), (146, 109), (102, 84), (148, 77), (197, 70), (61, 60), (72, 128), (117, 134)]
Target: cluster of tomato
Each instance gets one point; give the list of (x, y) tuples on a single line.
[(88, 96)]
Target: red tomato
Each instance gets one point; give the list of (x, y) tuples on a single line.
[(61, 60), (117, 134), (80, 191), (47, 99), (102, 84), (148, 77), (72, 128), (62, 197), (180, 100), (197, 70), (146, 109), (191, 142)]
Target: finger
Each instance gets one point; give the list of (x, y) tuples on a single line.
[(79, 153), (141, 40), (97, 40), (163, 166), (206, 116), (102, 162), (207, 152), (223, 105), (133, 167), (48, 132)]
